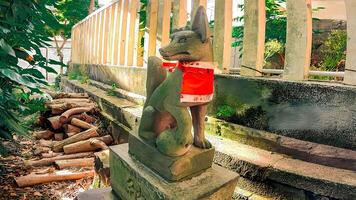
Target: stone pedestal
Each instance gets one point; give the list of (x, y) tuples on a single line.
[(130, 179), (193, 163)]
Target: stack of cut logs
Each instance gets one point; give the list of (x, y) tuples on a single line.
[(70, 138)]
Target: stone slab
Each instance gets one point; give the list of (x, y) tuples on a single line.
[(194, 162), (97, 194), (130, 179), (261, 165)]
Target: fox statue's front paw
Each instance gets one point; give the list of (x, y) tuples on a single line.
[(204, 144)]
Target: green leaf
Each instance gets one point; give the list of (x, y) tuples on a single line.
[(34, 72), (6, 48), (14, 76)]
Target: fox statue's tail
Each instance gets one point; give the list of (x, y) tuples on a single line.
[(155, 76)]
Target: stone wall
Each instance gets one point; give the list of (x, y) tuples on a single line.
[(313, 111), (318, 112)]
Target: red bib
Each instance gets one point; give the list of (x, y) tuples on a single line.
[(198, 81)]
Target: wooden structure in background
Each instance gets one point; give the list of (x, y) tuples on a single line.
[(111, 36)]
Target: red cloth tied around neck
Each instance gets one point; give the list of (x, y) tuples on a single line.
[(197, 81)]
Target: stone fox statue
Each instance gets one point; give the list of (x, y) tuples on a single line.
[(166, 120)]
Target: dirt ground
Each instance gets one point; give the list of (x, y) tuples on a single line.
[(12, 166)]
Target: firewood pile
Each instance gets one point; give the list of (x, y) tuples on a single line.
[(69, 139)]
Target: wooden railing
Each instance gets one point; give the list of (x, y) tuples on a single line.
[(110, 36)]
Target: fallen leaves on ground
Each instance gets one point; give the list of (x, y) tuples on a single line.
[(12, 166)]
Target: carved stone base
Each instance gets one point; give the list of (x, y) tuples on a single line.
[(193, 163), (130, 179)]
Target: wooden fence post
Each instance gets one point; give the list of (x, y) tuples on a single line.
[(72, 39), (132, 36), (111, 34), (299, 39), (153, 14), (90, 33), (179, 18), (87, 42), (117, 32), (350, 69), (95, 41), (125, 11), (165, 18), (98, 38), (222, 33), (254, 38)]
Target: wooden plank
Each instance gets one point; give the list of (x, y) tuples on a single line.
[(195, 5), (299, 40), (223, 34), (117, 33), (86, 44), (98, 39), (89, 41), (180, 14), (101, 36), (92, 29), (125, 10), (350, 71), (74, 47), (81, 42), (132, 36), (92, 50), (254, 38), (153, 15), (111, 34), (72, 39), (166, 18), (105, 36)]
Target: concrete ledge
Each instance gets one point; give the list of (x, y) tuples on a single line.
[(250, 162)]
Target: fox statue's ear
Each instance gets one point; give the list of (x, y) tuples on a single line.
[(200, 24)]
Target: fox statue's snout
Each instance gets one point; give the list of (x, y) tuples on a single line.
[(190, 43)]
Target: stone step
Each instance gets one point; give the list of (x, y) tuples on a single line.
[(261, 165), (295, 148), (260, 157)]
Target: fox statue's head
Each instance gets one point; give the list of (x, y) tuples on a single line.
[(192, 43)]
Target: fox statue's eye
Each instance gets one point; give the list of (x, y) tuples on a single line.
[(182, 40)]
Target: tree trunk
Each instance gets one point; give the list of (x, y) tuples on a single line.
[(34, 179), (91, 6), (81, 124), (59, 50), (91, 144), (49, 161), (81, 162), (58, 146)]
